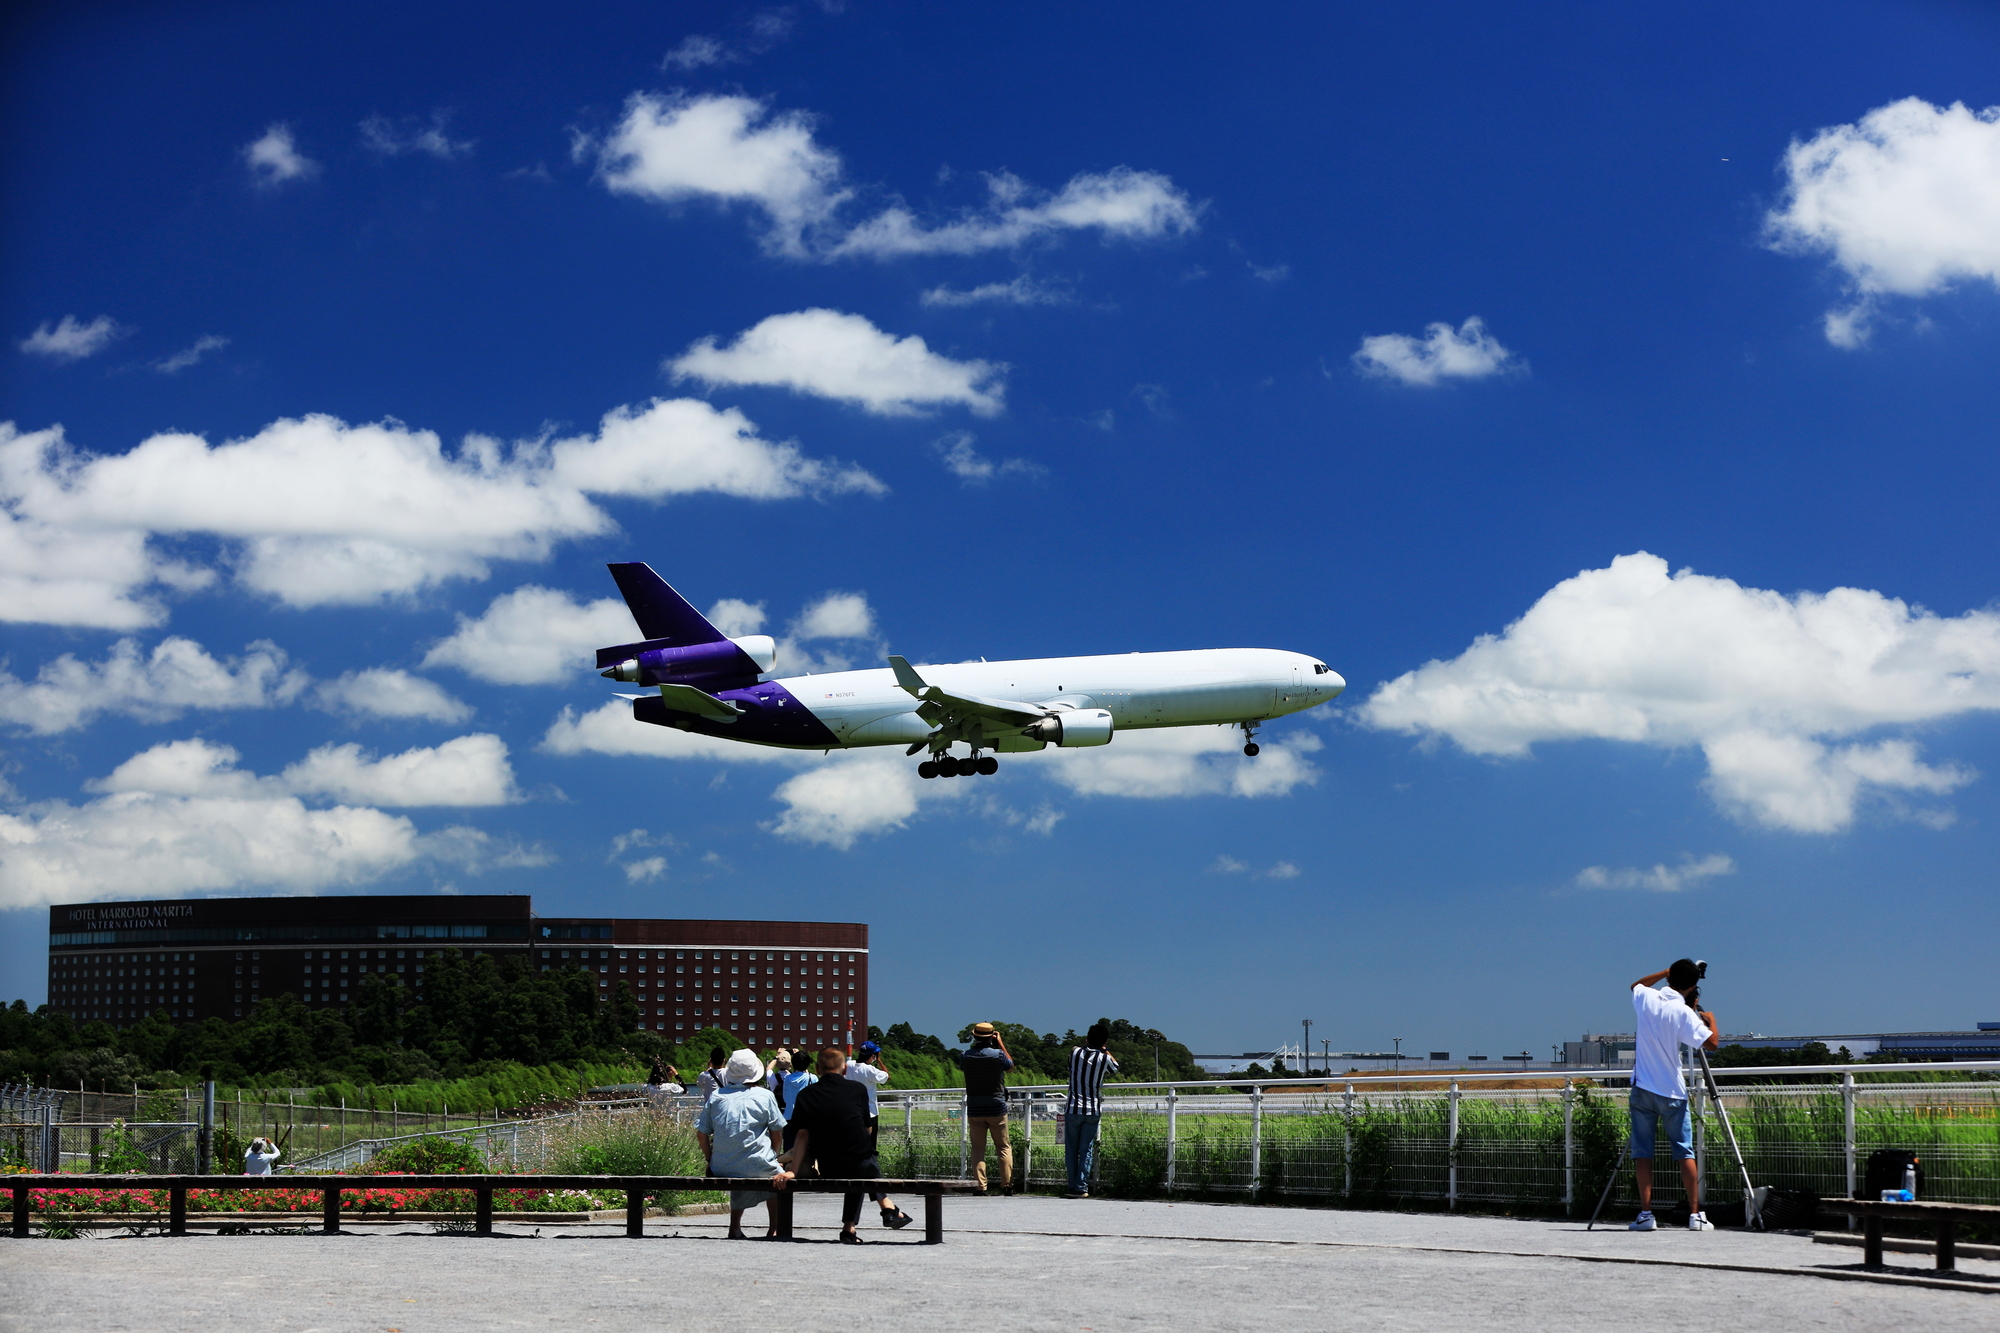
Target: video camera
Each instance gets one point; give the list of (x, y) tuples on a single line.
[(1700, 975)]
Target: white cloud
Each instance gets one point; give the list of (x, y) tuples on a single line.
[(69, 340), (836, 615), (320, 512), (736, 150), (393, 138), (1225, 864), (386, 692), (1180, 761), (191, 355), (736, 617), (1773, 689), (1904, 203), (467, 771), (179, 674), (1121, 203), (1023, 290), (470, 770), (181, 818), (534, 636), (1269, 272), (275, 158), (695, 51), (846, 358), (856, 795), (641, 872), (1467, 352), (965, 462), (1661, 878), (730, 149)]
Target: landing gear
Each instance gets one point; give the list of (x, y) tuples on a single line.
[(1250, 748), (1249, 738), (946, 766)]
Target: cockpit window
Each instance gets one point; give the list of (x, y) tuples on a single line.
[(1320, 668)]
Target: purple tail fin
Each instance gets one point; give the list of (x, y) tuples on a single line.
[(661, 612)]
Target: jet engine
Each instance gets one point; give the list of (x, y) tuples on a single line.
[(1073, 727), (696, 662)]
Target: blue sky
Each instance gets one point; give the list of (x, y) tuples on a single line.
[(1609, 397)]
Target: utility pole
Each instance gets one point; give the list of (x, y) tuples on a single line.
[(1306, 1051), (1325, 1058), (1399, 1053)]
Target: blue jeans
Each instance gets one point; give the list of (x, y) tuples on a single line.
[(1648, 1110), (1079, 1150)]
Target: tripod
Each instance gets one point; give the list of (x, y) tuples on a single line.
[(1752, 1215)]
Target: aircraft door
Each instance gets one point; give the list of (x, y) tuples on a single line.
[(1295, 691)]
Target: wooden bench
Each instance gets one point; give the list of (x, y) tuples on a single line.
[(635, 1187), (1946, 1217)]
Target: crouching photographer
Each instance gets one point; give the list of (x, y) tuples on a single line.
[(1668, 1020)]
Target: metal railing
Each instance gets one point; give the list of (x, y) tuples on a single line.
[(1505, 1139)]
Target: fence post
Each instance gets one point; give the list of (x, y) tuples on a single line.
[(909, 1135), (964, 1135), (1027, 1140), (1847, 1133), (1569, 1147), (1256, 1138), (1347, 1142), (204, 1142), (1451, 1152), (1173, 1109)]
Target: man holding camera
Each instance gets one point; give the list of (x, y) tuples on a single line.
[(1668, 1020), (986, 1065)]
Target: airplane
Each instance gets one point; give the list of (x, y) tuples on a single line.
[(711, 684)]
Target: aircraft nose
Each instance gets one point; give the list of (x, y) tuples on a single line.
[(1333, 683)]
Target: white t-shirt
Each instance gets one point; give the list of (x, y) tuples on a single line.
[(1666, 1024), (871, 1075)]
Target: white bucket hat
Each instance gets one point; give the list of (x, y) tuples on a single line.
[(743, 1067)]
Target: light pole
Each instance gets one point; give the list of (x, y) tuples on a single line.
[(1306, 1051), (1399, 1053), (1325, 1058)]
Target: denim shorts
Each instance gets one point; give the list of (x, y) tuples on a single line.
[(1649, 1111)]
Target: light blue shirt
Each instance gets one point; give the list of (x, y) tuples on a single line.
[(739, 1120)]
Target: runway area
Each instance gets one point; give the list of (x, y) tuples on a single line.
[(1022, 1263)]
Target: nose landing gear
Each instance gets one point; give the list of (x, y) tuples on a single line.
[(1250, 746)]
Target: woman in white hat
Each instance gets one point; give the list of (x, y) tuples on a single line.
[(741, 1131)]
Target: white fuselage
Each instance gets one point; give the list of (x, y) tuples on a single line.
[(1213, 686)]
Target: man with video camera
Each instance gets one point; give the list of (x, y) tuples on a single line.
[(1668, 1020)]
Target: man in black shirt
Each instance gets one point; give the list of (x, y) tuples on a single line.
[(831, 1118), (986, 1066)]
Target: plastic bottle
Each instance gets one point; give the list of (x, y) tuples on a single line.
[(1910, 1180)]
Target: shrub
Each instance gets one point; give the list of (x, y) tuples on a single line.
[(429, 1156)]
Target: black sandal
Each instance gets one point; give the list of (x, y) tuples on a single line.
[(896, 1218), (850, 1238)]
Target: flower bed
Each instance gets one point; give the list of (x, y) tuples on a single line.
[(360, 1199)]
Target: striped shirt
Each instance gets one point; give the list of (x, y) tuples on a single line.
[(1087, 1068)]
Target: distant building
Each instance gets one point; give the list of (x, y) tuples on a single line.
[(1613, 1050), (791, 982), (1983, 1043)]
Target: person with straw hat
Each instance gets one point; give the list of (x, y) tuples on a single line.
[(986, 1064), (740, 1131)]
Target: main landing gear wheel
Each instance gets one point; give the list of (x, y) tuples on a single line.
[(1251, 749), (927, 769), (989, 766)]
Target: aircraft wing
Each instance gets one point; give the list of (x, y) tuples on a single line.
[(688, 699), (1011, 712)]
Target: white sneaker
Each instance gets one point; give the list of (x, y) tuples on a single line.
[(1644, 1222), (1700, 1222)]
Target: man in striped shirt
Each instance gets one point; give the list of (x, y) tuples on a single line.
[(1088, 1064)]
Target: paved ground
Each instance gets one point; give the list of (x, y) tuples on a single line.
[(1018, 1264)]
